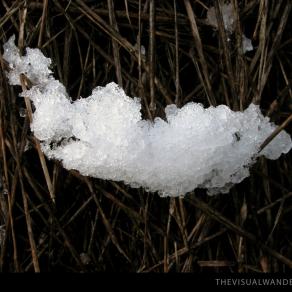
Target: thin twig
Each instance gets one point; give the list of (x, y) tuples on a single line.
[(23, 81)]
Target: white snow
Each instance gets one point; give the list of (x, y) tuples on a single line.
[(104, 135), (34, 65)]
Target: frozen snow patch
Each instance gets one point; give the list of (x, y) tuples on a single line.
[(104, 135)]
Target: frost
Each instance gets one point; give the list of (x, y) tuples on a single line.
[(227, 14), (2, 234), (229, 19), (142, 49), (104, 135), (246, 44)]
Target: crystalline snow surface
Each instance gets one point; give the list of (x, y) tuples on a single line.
[(34, 65), (104, 135)]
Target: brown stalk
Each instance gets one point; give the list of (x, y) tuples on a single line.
[(152, 105), (199, 48), (43, 21), (230, 225), (37, 143), (226, 53), (276, 132), (116, 53), (177, 83)]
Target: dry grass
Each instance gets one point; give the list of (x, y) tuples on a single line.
[(56, 220)]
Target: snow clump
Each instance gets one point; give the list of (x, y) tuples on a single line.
[(104, 135)]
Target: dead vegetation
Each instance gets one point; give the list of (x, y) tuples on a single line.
[(55, 220)]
